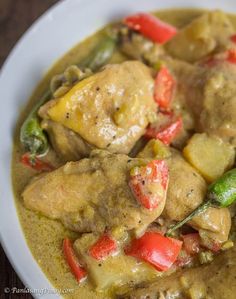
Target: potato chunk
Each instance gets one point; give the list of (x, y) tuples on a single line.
[(186, 188), (208, 33), (209, 155), (218, 115)]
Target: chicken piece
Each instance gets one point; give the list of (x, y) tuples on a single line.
[(187, 190), (187, 98), (207, 33), (205, 97), (110, 109), (199, 282), (190, 81), (91, 195), (68, 145), (218, 115)]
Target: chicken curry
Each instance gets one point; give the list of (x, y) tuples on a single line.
[(124, 161)]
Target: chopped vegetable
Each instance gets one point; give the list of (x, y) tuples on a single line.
[(166, 134), (164, 88), (209, 155), (183, 259), (159, 251), (233, 38), (155, 149), (103, 247), (151, 27), (221, 194), (101, 54), (35, 163), (114, 271), (231, 56), (149, 183), (205, 257), (227, 245), (72, 260), (213, 246), (32, 136), (191, 243), (210, 61), (162, 119), (62, 83)]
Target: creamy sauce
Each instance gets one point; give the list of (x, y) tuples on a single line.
[(44, 236)]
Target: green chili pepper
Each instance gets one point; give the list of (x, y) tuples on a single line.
[(221, 194), (31, 135), (101, 54)]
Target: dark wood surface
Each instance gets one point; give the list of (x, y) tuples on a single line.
[(15, 18)]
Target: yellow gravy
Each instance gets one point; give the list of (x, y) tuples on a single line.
[(44, 236)]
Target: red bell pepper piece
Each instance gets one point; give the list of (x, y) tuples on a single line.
[(191, 243), (233, 38), (166, 134), (211, 61), (151, 27), (35, 163), (164, 118), (231, 56), (103, 247), (72, 260), (154, 248), (144, 181), (164, 88)]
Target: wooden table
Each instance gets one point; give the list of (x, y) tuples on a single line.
[(15, 17)]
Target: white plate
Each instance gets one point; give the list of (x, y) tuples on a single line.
[(60, 28)]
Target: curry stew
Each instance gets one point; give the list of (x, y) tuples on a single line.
[(123, 161)]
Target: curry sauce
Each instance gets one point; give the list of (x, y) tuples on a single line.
[(45, 236)]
